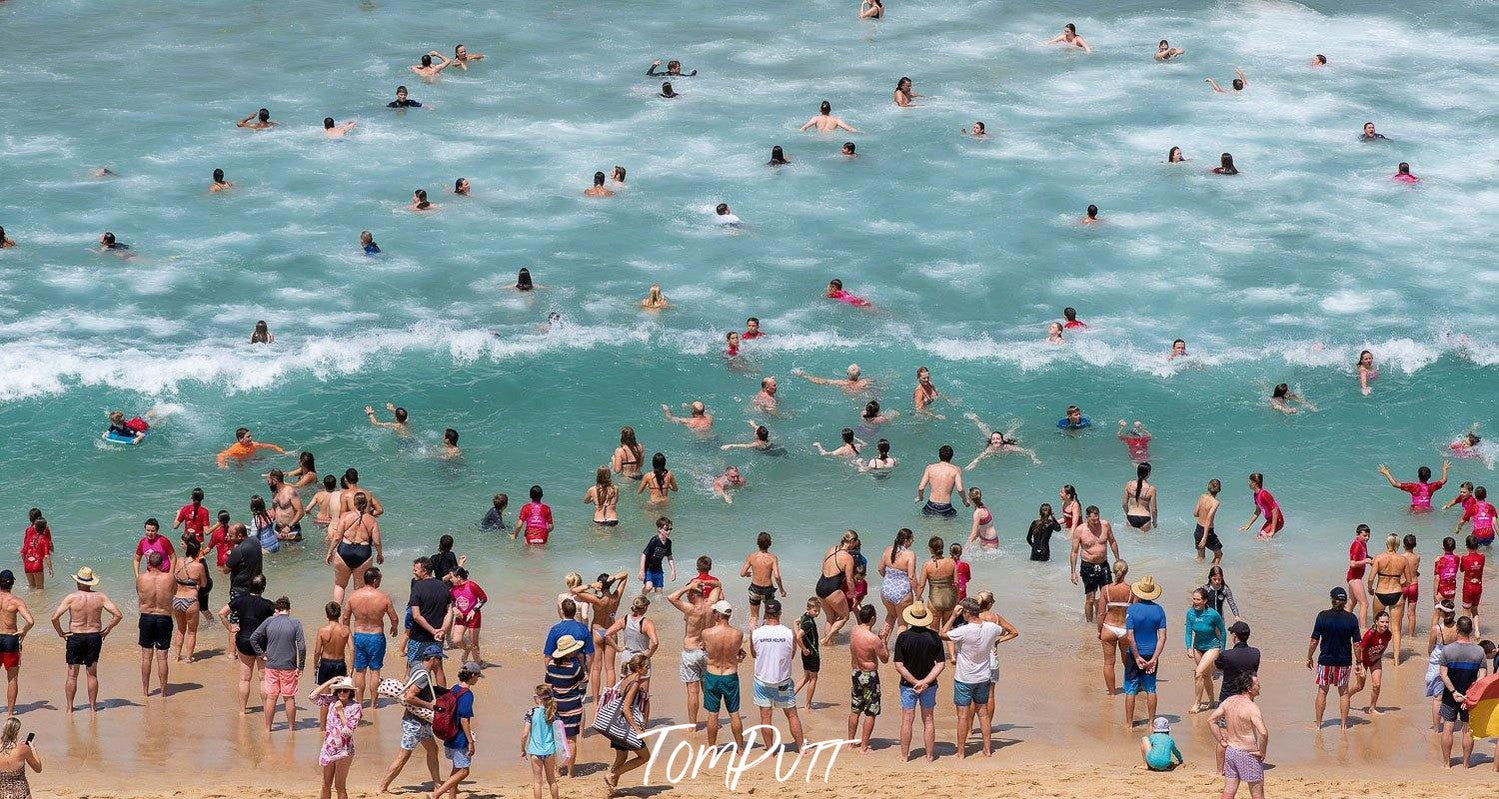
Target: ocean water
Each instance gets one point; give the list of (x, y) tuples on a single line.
[(967, 248)]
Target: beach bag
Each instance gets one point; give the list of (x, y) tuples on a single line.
[(611, 722), (445, 724)]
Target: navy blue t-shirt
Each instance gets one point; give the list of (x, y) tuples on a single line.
[(1336, 630)]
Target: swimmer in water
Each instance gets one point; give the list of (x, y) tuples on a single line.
[(1424, 487), (108, 243), (848, 150), (1165, 52), (848, 449), (723, 216), (1054, 333), (853, 383), (5, 241), (1072, 323), (1074, 420), (1367, 371), (617, 175), (882, 461), (1264, 506), (761, 441), (731, 349), (260, 120), (729, 479), (668, 92), (825, 122), (1174, 156), (1466, 446), (1091, 218), (778, 156), (925, 393), (427, 70), (367, 243), (523, 281), (1319, 60), (1238, 83), (1136, 440), (1069, 37), (218, 184), (1370, 134), (1225, 165), (402, 100), (1282, 399), (765, 398), (655, 300), (401, 426), (1178, 350), (904, 94), (106, 172), (334, 131), (871, 9), (982, 530), (598, 189), (751, 328), (835, 292), (449, 449), (978, 131), (997, 443), (461, 187), (464, 57), (871, 418), (673, 69), (420, 203), (698, 420), (262, 333), (1403, 174)]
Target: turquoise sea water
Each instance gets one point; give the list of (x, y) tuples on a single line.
[(967, 248)]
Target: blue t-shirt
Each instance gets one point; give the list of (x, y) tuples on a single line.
[(1161, 750), (372, 249), (1146, 620), (573, 627), (465, 708), (1336, 630), (542, 742)]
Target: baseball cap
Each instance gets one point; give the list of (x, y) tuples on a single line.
[(473, 667), (1339, 593), (723, 606), (1239, 628), (432, 651)]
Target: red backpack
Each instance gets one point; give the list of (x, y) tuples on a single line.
[(445, 724)]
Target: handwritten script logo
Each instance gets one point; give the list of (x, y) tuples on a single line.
[(687, 761)]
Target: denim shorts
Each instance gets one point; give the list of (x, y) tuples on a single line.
[(970, 693), (909, 697), (459, 757), (780, 695)]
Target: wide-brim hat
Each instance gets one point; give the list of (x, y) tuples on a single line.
[(917, 615), (566, 645), (85, 576), (1147, 589), (340, 684)]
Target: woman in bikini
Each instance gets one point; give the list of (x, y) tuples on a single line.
[(983, 521), (1072, 509), (661, 482), (1412, 592), (997, 443), (355, 539), (190, 574), (937, 582), (1140, 500), (1113, 602), (849, 448), (603, 495), (898, 573), (837, 575), (602, 598), (305, 474), (628, 455), (1367, 371), (925, 393), (1387, 583)]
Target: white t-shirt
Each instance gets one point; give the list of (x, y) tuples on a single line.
[(974, 642), (774, 644)]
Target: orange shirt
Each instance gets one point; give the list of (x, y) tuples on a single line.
[(240, 451)]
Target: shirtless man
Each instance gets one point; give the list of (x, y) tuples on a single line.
[(331, 654), (154, 588), (724, 645), (825, 122), (11, 637), (260, 120), (854, 383), (1242, 734), (427, 70), (696, 606), (698, 421), (1092, 539), (333, 130), (364, 612), (765, 400), (352, 487), (866, 651), (286, 506), (764, 571), (85, 635), (598, 189), (321, 502), (944, 478), (400, 425), (1205, 512), (1239, 82)]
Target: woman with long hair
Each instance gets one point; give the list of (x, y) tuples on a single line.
[(937, 582), (898, 570), (603, 495), (189, 574), (627, 757), (15, 758), (661, 482), (1140, 508), (629, 455)]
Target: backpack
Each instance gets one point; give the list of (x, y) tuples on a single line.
[(445, 723)]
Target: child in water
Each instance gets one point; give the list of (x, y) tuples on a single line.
[(134, 428)]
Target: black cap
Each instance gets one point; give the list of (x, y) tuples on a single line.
[(7, 575), (1339, 593), (1240, 629)]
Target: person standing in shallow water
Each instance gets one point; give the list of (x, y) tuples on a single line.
[(12, 636)]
